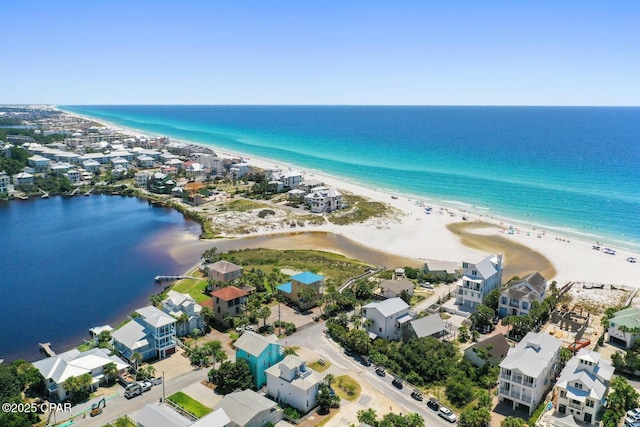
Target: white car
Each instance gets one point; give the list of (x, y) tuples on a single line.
[(632, 259), (447, 414)]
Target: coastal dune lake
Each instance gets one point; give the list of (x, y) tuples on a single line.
[(68, 264)]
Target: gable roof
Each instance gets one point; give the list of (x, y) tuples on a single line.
[(307, 278), (242, 406), (531, 282), (486, 268), (496, 346), (229, 293), (154, 317), (217, 418), (428, 325), (255, 344), (388, 307), (531, 355), (132, 335), (397, 286), (285, 287), (73, 363), (595, 383), (157, 415)]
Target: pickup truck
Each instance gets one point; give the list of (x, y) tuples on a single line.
[(133, 390)]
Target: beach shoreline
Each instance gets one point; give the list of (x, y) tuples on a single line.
[(426, 237)]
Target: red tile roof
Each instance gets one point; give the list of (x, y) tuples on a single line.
[(228, 293)]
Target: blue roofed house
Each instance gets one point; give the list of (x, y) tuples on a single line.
[(152, 333), (306, 280), (260, 352)]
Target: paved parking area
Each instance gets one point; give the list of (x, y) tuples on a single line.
[(173, 366)]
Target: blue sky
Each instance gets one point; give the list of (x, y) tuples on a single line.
[(330, 52)]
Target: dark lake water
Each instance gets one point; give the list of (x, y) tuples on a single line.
[(68, 264)]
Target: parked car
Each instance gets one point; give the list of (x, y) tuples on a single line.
[(427, 285), (417, 395), (447, 414), (380, 371), (433, 403), (397, 382), (145, 386), (365, 361)]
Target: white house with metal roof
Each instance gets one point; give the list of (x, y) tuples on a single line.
[(73, 363), (427, 326), (179, 305), (386, 319), (478, 279), (625, 326), (249, 409), (290, 382), (527, 371), (583, 386), (323, 199), (151, 333), (160, 415)]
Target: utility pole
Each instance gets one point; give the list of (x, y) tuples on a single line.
[(163, 395), (279, 322)]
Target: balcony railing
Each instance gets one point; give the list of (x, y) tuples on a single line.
[(575, 405)]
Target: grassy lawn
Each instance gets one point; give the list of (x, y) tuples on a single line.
[(332, 266), (192, 287), (318, 367), (121, 422), (416, 298), (189, 404), (346, 387), (359, 209)]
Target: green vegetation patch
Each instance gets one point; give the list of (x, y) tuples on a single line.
[(336, 267), (360, 209), (347, 388), (318, 367), (193, 287), (189, 404)]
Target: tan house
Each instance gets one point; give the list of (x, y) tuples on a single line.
[(228, 301), (224, 270), (292, 290)]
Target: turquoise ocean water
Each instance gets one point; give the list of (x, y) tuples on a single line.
[(575, 170)]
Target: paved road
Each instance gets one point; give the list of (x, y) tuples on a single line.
[(119, 405), (313, 338)]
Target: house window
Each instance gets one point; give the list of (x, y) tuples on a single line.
[(237, 310), (230, 303), (578, 386), (504, 300), (589, 403), (525, 305), (563, 393), (218, 309), (474, 272), (379, 329)]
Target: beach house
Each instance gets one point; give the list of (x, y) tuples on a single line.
[(223, 270), (247, 409), (73, 363), (478, 279), (260, 352), (323, 199), (185, 310), (396, 288), (517, 298), (386, 319), (582, 388), (228, 302), (38, 162), (23, 180), (4, 182), (303, 289), (291, 383), (527, 371), (427, 326), (491, 350), (624, 327), (151, 332)]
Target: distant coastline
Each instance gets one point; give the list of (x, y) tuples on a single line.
[(478, 208)]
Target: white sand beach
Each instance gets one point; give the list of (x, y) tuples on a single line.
[(421, 236)]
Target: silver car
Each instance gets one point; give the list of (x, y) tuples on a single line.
[(447, 414)]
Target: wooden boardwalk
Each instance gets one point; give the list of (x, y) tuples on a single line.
[(46, 347)]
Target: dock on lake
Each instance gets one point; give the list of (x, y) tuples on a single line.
[(173, 278), (46, 347)]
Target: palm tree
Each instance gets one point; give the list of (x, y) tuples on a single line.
[(264, 314), (196, 333), (136, 358), (110, 370), (181, 321), (207, 315)]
